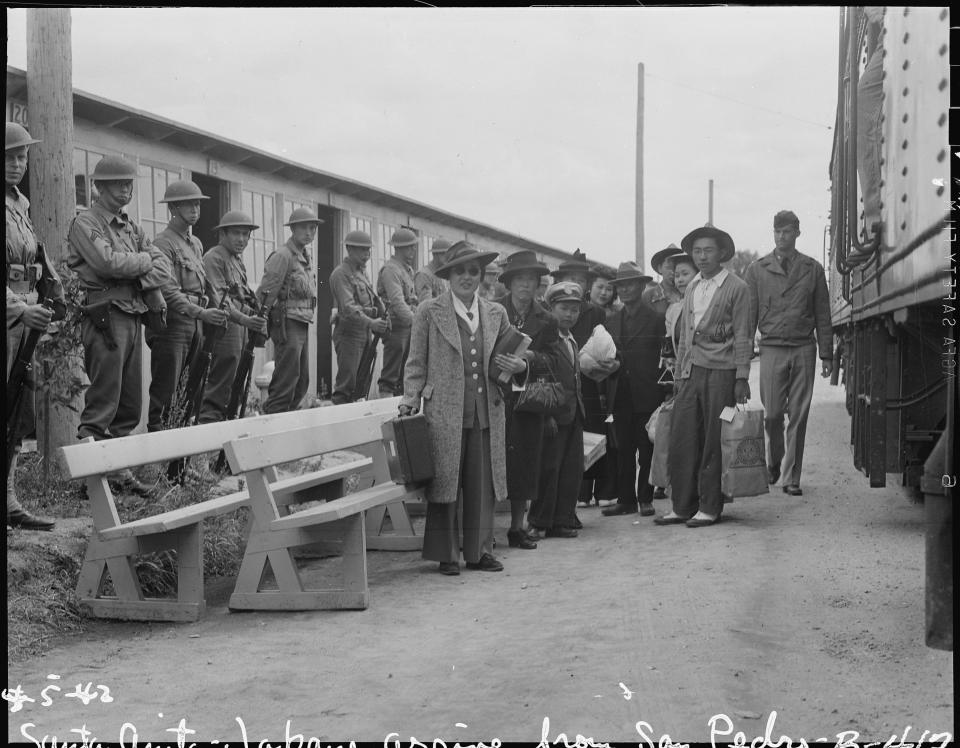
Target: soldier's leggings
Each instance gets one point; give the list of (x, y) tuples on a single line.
[(349, 338), (168, 357), (16, 336), (396, 346), (223, 368), (291, 373), (112, 402)]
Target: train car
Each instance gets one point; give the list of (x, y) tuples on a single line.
[(891, 267)]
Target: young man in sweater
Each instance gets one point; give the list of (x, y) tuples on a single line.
[(713, 364)]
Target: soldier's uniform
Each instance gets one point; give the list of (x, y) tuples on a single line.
[(186, 299), (114, 265), (395, 287), (356, 312), (290, 282), (225, 270), (425, 282)]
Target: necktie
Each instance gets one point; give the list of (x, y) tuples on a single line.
[(470, 316)]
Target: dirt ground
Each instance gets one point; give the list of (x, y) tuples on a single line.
[(811, 607)]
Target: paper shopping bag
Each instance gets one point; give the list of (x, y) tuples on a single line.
[(743, 454), (659, 431)]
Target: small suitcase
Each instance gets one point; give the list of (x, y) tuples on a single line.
[(407, 443)]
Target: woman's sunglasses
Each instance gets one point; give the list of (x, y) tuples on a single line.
[(468, 270)]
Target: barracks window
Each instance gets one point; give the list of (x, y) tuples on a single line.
[(152, 182), (261, 207)]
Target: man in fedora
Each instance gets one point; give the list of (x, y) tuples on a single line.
[(289, 289), (425, 281), (713, 364), (637, 330), (790, 302), (664, 293), (395, 286)]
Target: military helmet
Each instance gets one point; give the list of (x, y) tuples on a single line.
[(440, 245), (181, 191), (358, 239), (17, 136), (236, 218), (303, 215), (403, 238), (111, 168)]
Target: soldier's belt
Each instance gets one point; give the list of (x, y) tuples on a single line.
[(198, 298), (124, 292), (300, 304), (23, 278)]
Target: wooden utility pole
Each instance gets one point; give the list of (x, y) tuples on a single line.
[(639, 247), (710, 202), (52, 192)]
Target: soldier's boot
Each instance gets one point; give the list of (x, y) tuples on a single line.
[(17, 516), (124, 481)]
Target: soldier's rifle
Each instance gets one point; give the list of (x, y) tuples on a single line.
[(193, 392), (241, 381), (18, 380), (368, 356)]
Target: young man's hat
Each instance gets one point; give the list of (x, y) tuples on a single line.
[(724, 241)]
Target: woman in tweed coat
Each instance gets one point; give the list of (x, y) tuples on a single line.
[(451, 343)]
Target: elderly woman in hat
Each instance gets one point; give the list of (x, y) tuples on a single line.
[(25, 313), (451, 347), (521, 276)]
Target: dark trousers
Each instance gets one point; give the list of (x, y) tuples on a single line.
[(694, 459), (169, 352), (348, 342), (291, 373), (634, 455), (560, 481), (472, 511), (223, 368), (112, 402), (396, 346)]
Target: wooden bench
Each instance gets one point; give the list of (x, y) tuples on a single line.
[(338, 522), (114, 546)]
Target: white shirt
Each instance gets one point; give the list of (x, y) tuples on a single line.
[(703, 293), (472, 315)]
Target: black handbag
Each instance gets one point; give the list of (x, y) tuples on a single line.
[(544, 396)]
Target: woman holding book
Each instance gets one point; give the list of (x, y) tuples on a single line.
[(451, 351)]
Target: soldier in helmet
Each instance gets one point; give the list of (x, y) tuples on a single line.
[(186, 300), (357, 313), (395, 286), (289, 288), (122, 274), (425, 281), (227, 285), (24, 312)]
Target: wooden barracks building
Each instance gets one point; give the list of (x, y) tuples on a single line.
[(268, 188)]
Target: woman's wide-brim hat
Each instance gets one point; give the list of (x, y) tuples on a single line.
[(522, 262), (630, 271), (664, 254), (576, 264), (460, 254), (724, 241)]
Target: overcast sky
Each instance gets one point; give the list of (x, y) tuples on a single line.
[(521, 118)]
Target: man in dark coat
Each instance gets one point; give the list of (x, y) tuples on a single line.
[(637, 329)]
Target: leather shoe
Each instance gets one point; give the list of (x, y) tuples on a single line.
[(23, 518), (793, 489), (450, 568), (664, 520), (562, 532), (486, 563), (577, 524), (702, 522), (535, 533), (647, 510), (127, 483), (659, 493), (773, 474), (614, 511), (519, 539)]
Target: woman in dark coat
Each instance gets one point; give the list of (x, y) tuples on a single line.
[(521, 276), (451, 348)]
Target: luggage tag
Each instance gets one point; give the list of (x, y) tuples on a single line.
[(727, 414), (609, 419)]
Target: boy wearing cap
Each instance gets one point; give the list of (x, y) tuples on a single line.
[(395, 286), (789, 302), (553, 513), (713, 364), (290, 283)]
